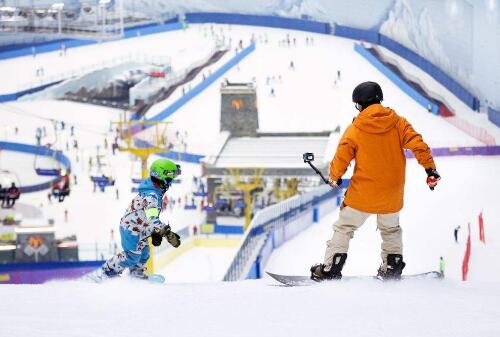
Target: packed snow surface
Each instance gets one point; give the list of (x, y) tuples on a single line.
[(252, 308)]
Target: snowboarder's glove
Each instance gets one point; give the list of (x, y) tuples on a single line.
[(156, 238), (173, 238), (335, 184), (432, 178)]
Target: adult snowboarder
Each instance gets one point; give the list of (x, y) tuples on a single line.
[(141, 221), (376, 140)]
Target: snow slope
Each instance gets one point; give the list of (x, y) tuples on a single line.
[(306, 99), (252, 308)]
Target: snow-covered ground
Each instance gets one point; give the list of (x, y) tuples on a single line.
[(199, 264), (252, 308)]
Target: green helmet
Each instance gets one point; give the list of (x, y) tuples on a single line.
[(164, 171)]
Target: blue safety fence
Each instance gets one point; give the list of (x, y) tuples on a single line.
[(494, 116), (260, 20), (16, 95), (40, 151), (356, 34), (276, 224), (401, 83)]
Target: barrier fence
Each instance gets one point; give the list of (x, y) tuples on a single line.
[(462, 151), (35, 273), (276, 224), (260, 20)]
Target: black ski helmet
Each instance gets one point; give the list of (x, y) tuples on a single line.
[(367, 92)]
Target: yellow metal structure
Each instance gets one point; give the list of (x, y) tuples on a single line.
[(157, 144), (288, 192), (247, 186)]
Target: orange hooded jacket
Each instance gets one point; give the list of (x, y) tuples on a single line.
[(376, 140)]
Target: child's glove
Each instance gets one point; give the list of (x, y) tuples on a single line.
[(156, 238), (173, 238)]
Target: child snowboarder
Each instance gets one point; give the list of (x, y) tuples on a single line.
[(376, 141), (141, 221)]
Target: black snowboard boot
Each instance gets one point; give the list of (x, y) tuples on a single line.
[(395, 266), (318, 272)]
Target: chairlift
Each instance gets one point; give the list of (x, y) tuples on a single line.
[(62, 187), (104, 176), (43, 171), (9, 188)]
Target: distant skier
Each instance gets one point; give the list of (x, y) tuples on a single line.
[(141, 221), (376, 140), (455, 233)]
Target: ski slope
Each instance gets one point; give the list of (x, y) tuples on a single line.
[(199, 264), (252, 308)]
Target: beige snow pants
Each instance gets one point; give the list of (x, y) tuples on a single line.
[(351, 219)]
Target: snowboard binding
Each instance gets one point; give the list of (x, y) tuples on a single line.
[(394, 269), (318, 272)]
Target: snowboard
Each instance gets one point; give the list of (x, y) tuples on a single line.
[(296, 280), (154, 278)]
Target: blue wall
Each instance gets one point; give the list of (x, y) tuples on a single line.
[(260, 20), (409, 90), (41, 151)]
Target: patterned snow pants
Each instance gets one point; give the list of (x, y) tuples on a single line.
[(134, 256)]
